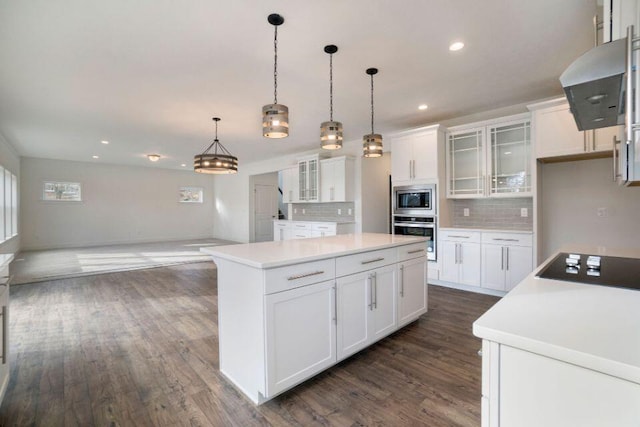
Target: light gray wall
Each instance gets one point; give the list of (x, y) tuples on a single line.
[(10, 160), (121, 204), (571, 194), (494, 212)]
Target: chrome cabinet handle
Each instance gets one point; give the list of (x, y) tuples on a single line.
[(375, 290), (506, 240), (300, 276), (502, 260), (371, 260), (370, 280), (507, 258), (335, 303), (415, 251), (593, 140), (460, 246), (402, 281), (584, 141), (459, 237), (616, 175), (629, 93)]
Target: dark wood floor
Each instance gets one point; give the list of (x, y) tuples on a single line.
[(140, 348)]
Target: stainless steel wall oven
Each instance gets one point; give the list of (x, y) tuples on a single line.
[(418, 226)]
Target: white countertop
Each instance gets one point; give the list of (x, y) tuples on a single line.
[(486, 230), (314, 221), (5, 259), (287, 252), (597, 327)]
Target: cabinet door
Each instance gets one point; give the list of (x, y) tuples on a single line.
[(425, 157), (327, 180), (412, 301), (469, 260), (519, 263), (602, 139), (313, 180), (449, 254), (353, 307), (290, 186), (493, 267), (300, 334), (385, 302), (556, 133), (509, 159), (303, 172), (401, 166), (466, 177)]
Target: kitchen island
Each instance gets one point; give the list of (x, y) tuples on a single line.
[(558, 353), (288, 310)]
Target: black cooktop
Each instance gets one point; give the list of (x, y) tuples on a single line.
[(614, 271)]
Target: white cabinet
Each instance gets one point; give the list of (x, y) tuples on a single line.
[(300, 334), (460, 257), (412, 289), (507, 258), (286, 230), (415, 155), (556, 136), (621, 14), (290, 185), (366, 309), (308, 179), (337, 179), (490, 159), (281, 230), (525, 389)]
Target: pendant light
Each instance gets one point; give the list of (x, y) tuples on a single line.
[(331, 132), (275, 117), (219, 162), (372, 143)]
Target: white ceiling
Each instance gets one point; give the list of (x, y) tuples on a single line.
[(148, 76)]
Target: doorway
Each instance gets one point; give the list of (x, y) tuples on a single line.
[(264, 206)]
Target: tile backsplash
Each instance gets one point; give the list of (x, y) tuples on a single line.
[(323, 212), (494, 213)]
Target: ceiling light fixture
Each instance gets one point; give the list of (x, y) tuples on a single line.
[(423, 107), (219, 162), (96, 157), (372, 143), (275, 117), (153, 157), (104, 142), (331, 132), (456, 46)]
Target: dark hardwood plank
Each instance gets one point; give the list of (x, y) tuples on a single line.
[(141, 348)]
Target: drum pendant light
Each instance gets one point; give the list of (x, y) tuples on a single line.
[(331, 132), (219, 162), (275, 117), (372, 143)]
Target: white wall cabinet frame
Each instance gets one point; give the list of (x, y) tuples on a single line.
[(415, 158), (309, 179), (290, 185), (337, 179)]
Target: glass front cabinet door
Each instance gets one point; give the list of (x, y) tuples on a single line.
[(509, 158), (466, 163)]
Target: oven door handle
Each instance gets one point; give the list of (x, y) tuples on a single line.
[(413, 225)]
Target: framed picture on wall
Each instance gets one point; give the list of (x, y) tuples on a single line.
[(190, 195), (54, 191)]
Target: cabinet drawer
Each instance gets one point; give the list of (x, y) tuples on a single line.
[(282, 225), (364, 261), (301, 226), (328, 228), (301, 234), (414, 250), (510, 239), (294, 276), (460, 236)]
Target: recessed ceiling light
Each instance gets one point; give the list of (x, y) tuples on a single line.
[(423, 107), (153, 157), (96, 157), (183, 165), (456, 46), (104, 142)]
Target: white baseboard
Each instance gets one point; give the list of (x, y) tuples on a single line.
[(468, 288)]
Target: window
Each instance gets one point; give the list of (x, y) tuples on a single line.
[(8, 233), (190, 195), (8, 204), (14, 204), (62, 191), (2, 202)]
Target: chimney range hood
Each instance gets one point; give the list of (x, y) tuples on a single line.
[(594, 85)]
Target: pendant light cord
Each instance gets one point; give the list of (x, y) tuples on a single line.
[(331, 87), (275, 66), (372, 104)]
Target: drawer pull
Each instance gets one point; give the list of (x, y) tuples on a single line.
[(459, 237), (371, 260), (324, 228), (506, 240), (300, 276), (415, 251)]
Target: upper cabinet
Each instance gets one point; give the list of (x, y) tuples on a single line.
[(337, 179), (290, 185), (557, 137), (490, 159), (308, 179), (415, 155), (618, 15)]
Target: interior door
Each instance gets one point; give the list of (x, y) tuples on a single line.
[(266, 210)]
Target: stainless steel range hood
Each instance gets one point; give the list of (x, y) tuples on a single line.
[(594, 85)]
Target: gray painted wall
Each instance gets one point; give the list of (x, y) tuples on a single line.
[(121, 204)]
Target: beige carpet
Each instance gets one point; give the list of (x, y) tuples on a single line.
[(37, 266)]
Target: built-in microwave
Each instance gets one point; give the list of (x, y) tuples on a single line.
[(415, 200)]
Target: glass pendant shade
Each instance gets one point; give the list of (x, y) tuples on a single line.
[(372, 145), (220, 161), (275, 121), (331, 135)]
